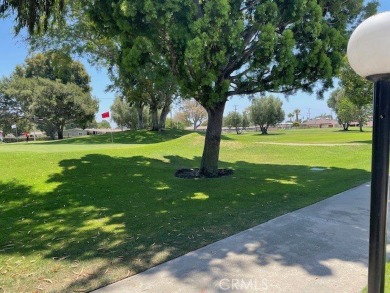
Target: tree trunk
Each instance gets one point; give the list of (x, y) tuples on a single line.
[(140, 117), (209, 163), (361, 126), (60, 131), (264, 130), (52, 134), (154, 113), (196, 125), (163, 116)]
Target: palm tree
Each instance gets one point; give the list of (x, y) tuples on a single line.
[(290, 116), (297, 112)]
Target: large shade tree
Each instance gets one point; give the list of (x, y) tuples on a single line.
[(55, 88), (221, 48), (52, 104)]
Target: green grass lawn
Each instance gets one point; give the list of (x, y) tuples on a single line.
[(83, 213)]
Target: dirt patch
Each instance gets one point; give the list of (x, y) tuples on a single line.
[(194, 173)]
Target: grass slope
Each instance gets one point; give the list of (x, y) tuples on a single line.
[(83, 213)]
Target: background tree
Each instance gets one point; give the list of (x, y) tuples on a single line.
[(11, 109), (266, 111), (234, 119), (55, 65), (56, 89), (346, 110), (104, 124), (54, 103), (297, 112), (245, 120), (35, 15), (358, 90), (181, 119), (122, 113), (193, 113), (290, 116), (220, 48)]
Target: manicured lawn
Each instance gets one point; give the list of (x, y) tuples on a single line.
[(82, 213)]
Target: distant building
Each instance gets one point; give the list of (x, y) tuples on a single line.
[(320, 122), (93, 131), (74, 132)]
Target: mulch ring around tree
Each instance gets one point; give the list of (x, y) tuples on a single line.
[(194, 173)]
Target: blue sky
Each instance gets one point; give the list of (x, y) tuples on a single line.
[(13, 51)]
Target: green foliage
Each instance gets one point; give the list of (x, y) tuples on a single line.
[(357, 89), (104, 124), (35, 15), (215, 45), (353, 100), (54, 103), (122, 114), (346, 112), (52, 90), (266, 111), (55, 65), (234, 119), (10, 110), (245, 120)]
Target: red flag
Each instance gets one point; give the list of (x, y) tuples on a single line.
[(106, 115)]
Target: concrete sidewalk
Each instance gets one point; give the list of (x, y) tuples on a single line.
[(320, 248)]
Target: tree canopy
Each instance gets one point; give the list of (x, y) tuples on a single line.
[(55, 65)]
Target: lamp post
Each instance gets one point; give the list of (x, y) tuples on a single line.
[(369, 56)]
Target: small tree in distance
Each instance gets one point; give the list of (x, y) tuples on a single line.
[(234, 119), (193, 113), (245, 120), (297, 112), (266, 111), (104, 124)]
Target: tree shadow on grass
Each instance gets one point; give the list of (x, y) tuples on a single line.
[(368, 141), (111, 217)]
